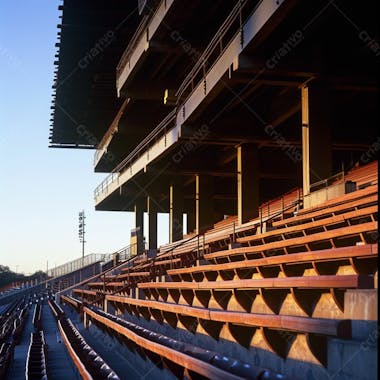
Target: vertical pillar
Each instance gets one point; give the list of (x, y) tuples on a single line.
[(139, 215), (152, 210), (204, 203), (247, 182), (139, 224), (316, 135), (176, 211)]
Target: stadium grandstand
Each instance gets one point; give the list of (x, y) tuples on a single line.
[(253, 125)]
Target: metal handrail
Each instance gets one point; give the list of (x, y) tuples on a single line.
[(326, 181), (162, 127), (132, 44), (215, 42), (125, 287), (77, 264)]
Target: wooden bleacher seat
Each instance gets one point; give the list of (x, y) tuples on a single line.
[(330, 327), (200, 361), (356, 233), (345, 200), (326, 224), (361, 259), (313, 296)]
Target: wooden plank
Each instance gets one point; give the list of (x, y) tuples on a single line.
[(319, 211), (319, 236), (355, 195), (85, 291), (323, 281), (132, 274), (366, 250), (318, 223), (338, 328), (78, 363)]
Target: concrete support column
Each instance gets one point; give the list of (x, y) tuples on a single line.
[(152, 209), (247, 182), (139, 215), (316, 135), (139, 209), (204, 203), (176, 211)]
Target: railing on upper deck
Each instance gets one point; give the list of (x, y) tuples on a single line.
[(132, 44), (223, 37), (153, 136)]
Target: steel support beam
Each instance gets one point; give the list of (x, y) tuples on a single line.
[(316, 135), (152, 209)]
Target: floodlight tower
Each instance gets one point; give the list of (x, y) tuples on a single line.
[(81, 230)]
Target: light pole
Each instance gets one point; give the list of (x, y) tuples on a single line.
[(81, 230)]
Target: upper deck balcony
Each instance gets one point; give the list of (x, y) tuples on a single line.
[(240, 56), (162, 51), (244, 20), (169, 39)]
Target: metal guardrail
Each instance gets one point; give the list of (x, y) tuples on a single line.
[(205, 63), (158, 132), (265, 208), (334, 179), (122, 255), (132, 44), (228, 27), (78, 264)]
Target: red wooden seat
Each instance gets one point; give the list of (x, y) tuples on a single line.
[(322, 261), (355, 231)]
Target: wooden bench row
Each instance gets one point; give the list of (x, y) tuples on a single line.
[(179, 355), (317, 296), (335, 281), (56, 309), (73, 302), (333, 207), (330, 327), (360, 199), (89, 364), (364, 233), (362, 259), (348, 218)]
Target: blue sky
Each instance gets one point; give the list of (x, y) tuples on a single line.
[(43, 189)]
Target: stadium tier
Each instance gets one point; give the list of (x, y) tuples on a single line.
[(252, 125)]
